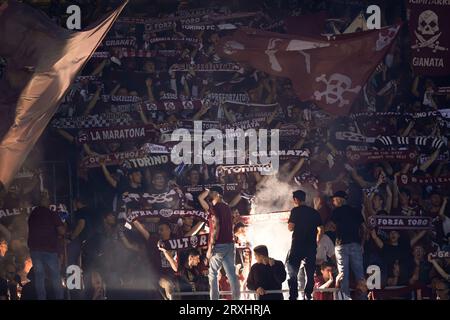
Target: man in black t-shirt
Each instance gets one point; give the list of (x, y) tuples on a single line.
[(348, 223), (306, 224), (82, 230)]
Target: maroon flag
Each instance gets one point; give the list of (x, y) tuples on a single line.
[(329, 71), (312, 24), (42, 62), (430, 37)]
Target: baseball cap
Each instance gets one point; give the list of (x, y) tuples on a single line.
[(340, 194)]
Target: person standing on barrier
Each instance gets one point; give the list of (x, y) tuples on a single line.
[(349, 225), (306, 226), (221, 251)]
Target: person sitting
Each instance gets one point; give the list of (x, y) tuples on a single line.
[(324, 280), (266, 274)]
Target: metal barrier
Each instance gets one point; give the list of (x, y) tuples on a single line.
[(225, 293)]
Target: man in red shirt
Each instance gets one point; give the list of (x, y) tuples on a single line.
[(45, 227), (221, 250)]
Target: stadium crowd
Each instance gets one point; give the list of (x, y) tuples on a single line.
[(140, 78)]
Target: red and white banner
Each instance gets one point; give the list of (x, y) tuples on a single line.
[(430, 36), (144, 132), (330, 71), (113, 159)]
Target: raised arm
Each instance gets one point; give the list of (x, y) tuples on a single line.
[(172, 262), (417, 237), (139, 227), (93, 101), (195, 229), (424, 166), (376, 239), (388, 206), (113, 182), (202, 199)]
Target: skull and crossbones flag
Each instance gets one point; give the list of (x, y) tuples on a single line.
[(430, 37), (330, 71), (42, 61)]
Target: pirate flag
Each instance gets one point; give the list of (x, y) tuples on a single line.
[(329, 71), (42, 61)]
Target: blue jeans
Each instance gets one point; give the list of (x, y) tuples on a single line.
[(41, 259), (223, 255), (349, 255)]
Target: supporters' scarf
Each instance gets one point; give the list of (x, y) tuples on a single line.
[(112, 159), (353, 137), (93, 121), (400, 222), (251, 104), (421, 141), (443, 90), (243, 168), (405, 179), (156, 148), (153, 198), (166, 105), (440, 254), (122, 42), (359, 157), (173, 105), (5, 213), (206, 67), (356, 116), (246, 124), (146, 161), (197, 241), (272, 217), (109, 98), (188, 124), (134, 53), (199, 188), (167, 213), (285, 154), (144, 132), (166, 39), (219, 98), (88, 78), (291, 130)]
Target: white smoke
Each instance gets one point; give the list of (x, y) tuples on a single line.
[(273, 197)]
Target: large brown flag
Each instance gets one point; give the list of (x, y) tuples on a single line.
[(430, 37), (330, 71), (42, 60)]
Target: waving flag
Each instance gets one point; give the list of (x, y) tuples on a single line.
[(43, 60), (330, 71)]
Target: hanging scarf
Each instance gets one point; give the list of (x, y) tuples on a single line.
[(144, 132), (93, 121), (400, 222), (167, 213), (196, 241)]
